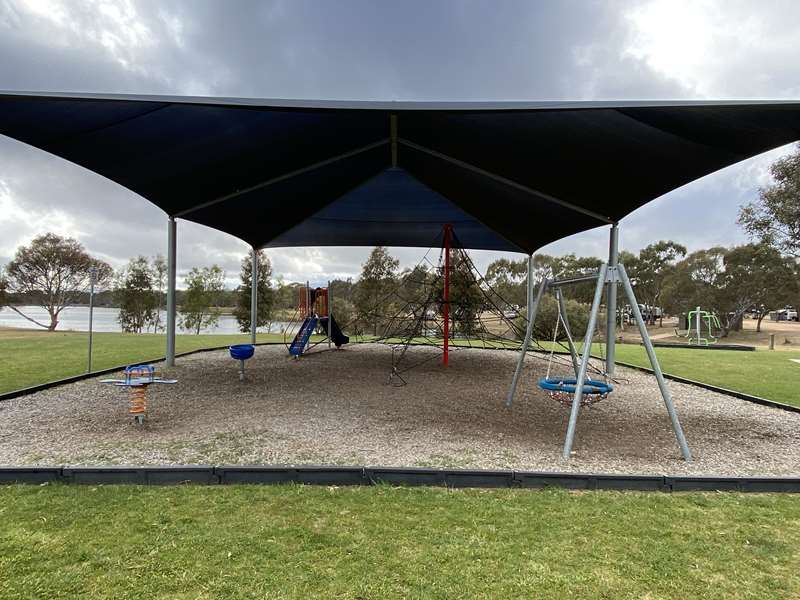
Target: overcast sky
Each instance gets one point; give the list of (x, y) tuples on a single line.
[(371, 50)]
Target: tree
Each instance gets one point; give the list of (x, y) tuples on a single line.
[(731, 281), (265, 297), (466, 299), (342, 288), (415, 284), (650, 269), (200, 301), (775, 218), (757, 277), (138, 303), (53, 272), (544, 328), (576, 266), (159, 271), (378, 277), (508, 278), (3, 288)]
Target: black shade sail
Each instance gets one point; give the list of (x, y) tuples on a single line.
[(508, 176)]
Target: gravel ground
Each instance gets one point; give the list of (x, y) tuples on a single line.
[(334, 407)]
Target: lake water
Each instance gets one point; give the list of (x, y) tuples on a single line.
[(76, 318)]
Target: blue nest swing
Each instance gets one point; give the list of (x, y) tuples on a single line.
[(563, 389)]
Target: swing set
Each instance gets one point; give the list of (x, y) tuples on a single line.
[(582, 390)]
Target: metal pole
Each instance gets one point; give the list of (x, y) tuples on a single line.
[(533, 307), (171, 270), (611, 299), (697, 323), (446, 356), (92, 279), (587, 353), (328, 302), (562, 309), (309, 310), (651, 354), (254, 297)]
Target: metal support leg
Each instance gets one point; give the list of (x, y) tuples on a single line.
[(253, 299), (611, 300), (92, 281), (171, 270), (562, 309), (330, 310), (651, 354), (533, 307), (587, 353)]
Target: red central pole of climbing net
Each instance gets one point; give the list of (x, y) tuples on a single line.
[(447, 233)]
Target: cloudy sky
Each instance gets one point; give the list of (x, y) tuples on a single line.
[(370, 50)]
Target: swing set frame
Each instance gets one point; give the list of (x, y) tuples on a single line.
[(608, 276)]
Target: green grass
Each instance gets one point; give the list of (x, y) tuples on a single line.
[(31, 357), (769, 374), (381, 542)]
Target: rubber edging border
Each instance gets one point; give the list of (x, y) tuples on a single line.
[(398, 476)]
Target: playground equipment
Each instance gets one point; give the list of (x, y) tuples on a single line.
[(608, 276), (137, 379), (701, 318), (563, 389), (242, 352), (314, 306)]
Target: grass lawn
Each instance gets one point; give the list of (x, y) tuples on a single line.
[(32, 357), (771, 375), (382, 542)]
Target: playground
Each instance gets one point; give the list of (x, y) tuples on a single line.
[(335, 407)]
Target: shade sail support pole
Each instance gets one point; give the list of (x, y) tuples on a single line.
[(587, 353), (328, 309), (254, 297), (448, 230), (651, 354), (171, 308), (531, 308), (611, 299)]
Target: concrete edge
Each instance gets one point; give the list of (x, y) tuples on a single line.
[(396, 476)]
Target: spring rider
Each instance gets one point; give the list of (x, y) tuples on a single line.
[(137, 379)]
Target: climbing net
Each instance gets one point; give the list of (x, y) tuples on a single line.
[(479, 316)]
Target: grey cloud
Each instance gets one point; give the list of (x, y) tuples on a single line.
[(367, 50)]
